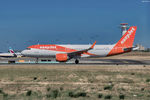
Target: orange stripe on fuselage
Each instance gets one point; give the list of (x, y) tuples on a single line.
[(54, 47)]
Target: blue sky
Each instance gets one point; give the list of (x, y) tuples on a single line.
[(28, 22)]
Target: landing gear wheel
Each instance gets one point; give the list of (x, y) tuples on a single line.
[(37, 59), (76, 61)]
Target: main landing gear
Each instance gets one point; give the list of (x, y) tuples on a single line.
[(76, 61), (37, 59)]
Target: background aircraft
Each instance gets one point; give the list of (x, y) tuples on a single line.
[(63, 53), (10, 54)]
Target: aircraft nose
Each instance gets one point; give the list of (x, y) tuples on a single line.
[(24, 52)]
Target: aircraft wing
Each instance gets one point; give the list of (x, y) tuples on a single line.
[(135, 48), (78, 53)]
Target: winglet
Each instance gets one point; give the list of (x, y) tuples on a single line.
[(93, 45)]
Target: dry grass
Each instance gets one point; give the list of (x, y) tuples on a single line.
[(130, 81)]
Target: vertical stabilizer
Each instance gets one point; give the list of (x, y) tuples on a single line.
[(125, 43), (11, 50)]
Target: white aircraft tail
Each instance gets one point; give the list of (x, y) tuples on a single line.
[(12, 51)]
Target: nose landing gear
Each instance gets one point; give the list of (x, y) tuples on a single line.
[(76, 61)]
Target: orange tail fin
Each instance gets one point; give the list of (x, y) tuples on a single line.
[(128, 38), (125, 42)]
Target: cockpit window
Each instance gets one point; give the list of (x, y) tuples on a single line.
[(28, 48)]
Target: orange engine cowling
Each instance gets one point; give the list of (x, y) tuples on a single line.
[(61, 57)]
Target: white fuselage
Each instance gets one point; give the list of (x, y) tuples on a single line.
[(6, 55), (98, 50)]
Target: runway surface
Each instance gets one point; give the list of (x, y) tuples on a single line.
[(85, 61)]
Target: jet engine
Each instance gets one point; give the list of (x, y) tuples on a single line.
[(61, 57)]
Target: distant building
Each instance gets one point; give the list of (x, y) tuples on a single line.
[(148, 49), (141, 48)]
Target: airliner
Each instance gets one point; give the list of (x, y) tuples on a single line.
[(63, 53), (8, 55)]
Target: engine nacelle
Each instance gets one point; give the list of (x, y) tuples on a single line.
[(61, 57)]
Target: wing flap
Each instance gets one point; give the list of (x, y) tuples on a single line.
[(78, 53)]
